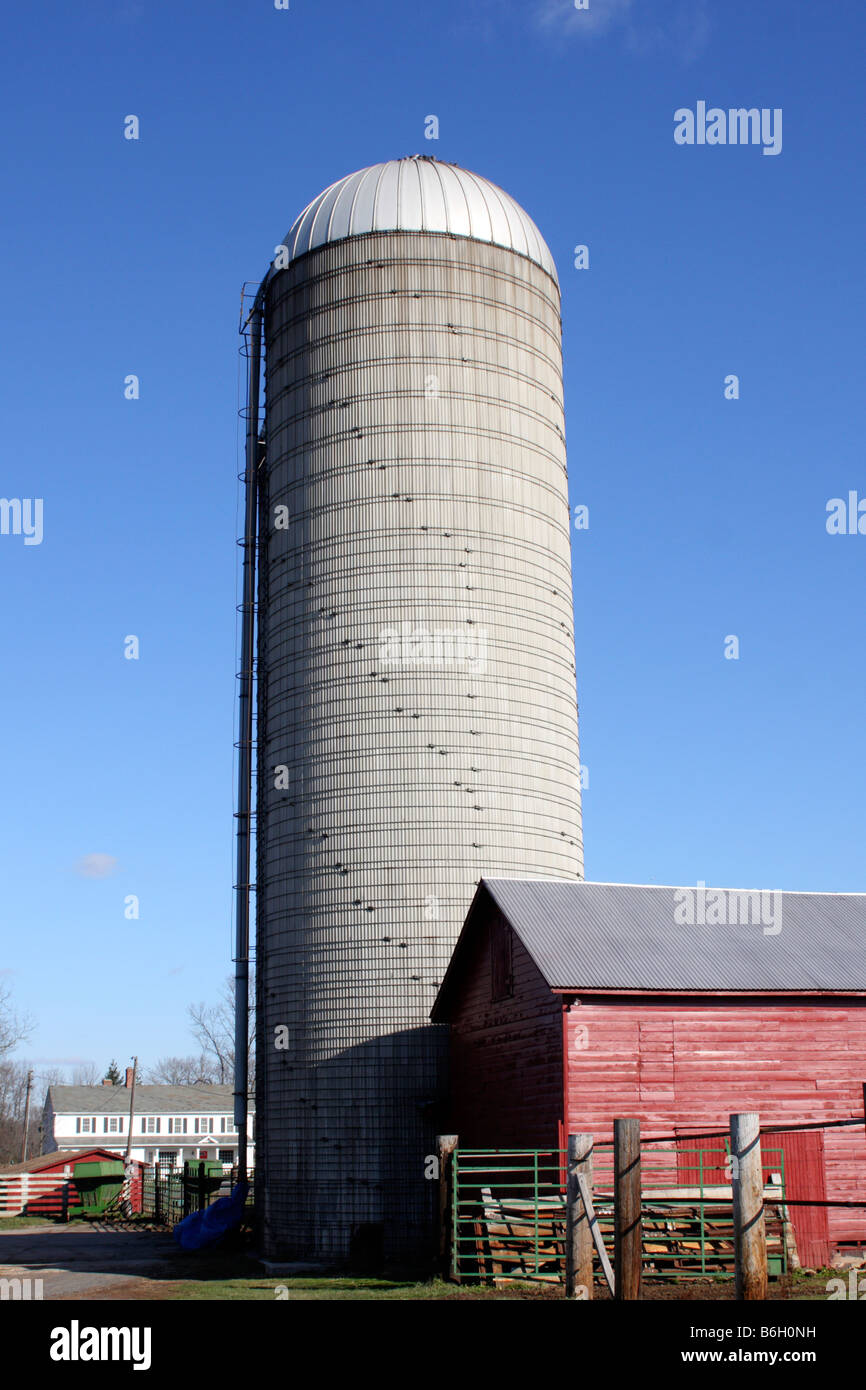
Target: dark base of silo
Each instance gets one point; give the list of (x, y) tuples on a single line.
[(363, 1251), (345, 1150), (362, 1247)]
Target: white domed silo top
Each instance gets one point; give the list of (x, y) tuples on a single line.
[(418, 194)]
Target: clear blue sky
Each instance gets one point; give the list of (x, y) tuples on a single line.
[(707, 516)]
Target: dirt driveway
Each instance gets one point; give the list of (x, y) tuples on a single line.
[(74, 1262)]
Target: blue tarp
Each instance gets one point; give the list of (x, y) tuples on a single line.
[(203, 1228)]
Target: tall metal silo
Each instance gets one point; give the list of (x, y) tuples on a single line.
[(417, 720)]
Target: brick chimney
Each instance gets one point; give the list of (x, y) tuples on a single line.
[(106, 1081), (129, 1075)]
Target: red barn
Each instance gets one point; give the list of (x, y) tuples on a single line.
[(571, 1004)]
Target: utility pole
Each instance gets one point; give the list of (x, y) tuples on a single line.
[(126, 1189), (131, 1110), (26, 1117)]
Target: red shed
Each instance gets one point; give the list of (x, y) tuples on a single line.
[(571, 1004), (40, 1197)]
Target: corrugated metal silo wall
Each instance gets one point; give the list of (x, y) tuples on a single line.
[(416, 438)]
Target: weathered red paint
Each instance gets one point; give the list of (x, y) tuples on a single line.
[(529, 1069), (506, 1054), (806, 1177)]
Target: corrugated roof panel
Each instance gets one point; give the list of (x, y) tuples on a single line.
[(432, 194), (456, 202), (500, 230), (411, 211), (478, 200), (363, 185), (320, 229), (517, 231), (299, 236), (386, 215), (629, 936)]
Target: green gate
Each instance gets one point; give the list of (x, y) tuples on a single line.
[(508, 1212)]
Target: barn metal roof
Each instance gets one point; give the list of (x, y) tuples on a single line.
[(623, 936), (422, 194)]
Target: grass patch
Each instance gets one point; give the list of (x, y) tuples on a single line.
[(270, 1289), (222, 1286), (21, 1223)]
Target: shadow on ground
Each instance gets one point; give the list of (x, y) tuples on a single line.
[(81, 1262), (71, 1260)]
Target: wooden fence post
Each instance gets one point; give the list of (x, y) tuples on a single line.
[(445, 1146), (750, 1238), (578, 1235), (628, 1235)]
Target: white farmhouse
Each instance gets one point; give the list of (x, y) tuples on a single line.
[(169, 1123)]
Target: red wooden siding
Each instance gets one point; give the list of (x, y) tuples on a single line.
[(689, 1064), (805, 1177), (505, 1054)]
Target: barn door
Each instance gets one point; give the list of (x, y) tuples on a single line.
[(804, 1178)]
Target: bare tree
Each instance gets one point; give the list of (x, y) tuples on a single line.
[(85, 1074), (13, 1087), (181, 1071), (14, 1027), (213, 1026), (13, 1093)]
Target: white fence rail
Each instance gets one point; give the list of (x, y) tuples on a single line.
[(36, 1194)]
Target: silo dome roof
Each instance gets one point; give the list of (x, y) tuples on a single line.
[(418, 194)]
